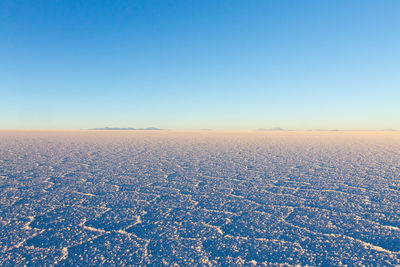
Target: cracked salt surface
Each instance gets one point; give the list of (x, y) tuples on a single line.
[(199, 198)]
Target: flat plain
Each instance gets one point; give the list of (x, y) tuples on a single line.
[(199, 198)]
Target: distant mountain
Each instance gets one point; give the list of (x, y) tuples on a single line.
[(112, 128), (272, 129), (128, 129)]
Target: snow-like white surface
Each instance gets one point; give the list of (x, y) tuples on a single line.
[(204, 198)]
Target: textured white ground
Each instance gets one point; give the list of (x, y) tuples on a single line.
[(199, 198)]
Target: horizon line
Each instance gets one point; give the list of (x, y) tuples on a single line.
[(153, 129)]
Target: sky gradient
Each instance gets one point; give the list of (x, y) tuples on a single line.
[(236, 65)]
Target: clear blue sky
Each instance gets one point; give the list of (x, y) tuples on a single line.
[(200, 64)]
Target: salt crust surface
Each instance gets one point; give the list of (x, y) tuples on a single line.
[(200, 198)]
